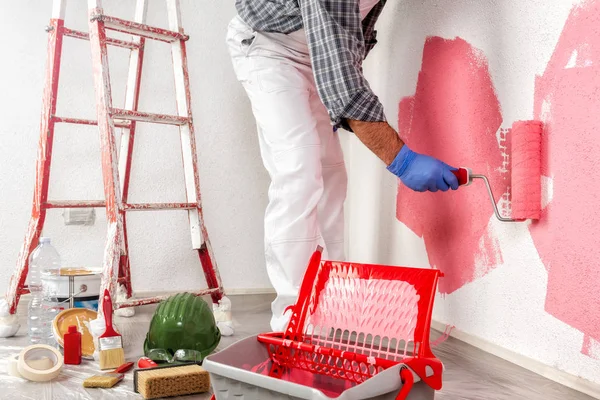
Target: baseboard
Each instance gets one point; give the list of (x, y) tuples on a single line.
[(252, 291), (228, 292), (563, 378)]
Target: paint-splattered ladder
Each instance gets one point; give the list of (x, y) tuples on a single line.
[(116, 173)]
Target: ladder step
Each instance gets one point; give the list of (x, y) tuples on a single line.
[(148, 117), (118, 124), (115, 42), (135, 28), (159, 206), (126, 207), (152, 300), (75, 204)]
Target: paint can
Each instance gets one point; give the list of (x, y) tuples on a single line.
[(80, 283)]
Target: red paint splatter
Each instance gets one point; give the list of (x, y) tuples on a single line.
[(454, 116), (567, 97), (591, 347)]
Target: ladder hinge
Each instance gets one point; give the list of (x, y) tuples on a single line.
[(97, 17)]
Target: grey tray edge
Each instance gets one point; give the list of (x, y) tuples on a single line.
[(387, 382), (265, 382)]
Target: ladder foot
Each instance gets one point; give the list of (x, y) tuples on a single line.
[(121, 297), (223, 318), (10, 323), (226, 328), (125, 312)]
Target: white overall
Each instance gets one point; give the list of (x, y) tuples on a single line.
[(300, 151)]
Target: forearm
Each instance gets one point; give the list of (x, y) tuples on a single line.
[(379, 137)]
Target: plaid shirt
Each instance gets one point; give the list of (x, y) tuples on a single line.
[(338, 42)]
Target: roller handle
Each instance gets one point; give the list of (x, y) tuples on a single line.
[(463, 175)]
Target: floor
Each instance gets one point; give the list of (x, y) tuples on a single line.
[(471, 374)]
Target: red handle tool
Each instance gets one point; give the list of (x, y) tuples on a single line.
[(408, 381), (124, 368), (463, 175), (107, 307), (145, 362)]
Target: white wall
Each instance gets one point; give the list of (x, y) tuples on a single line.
[(233, 183), (506, 306)]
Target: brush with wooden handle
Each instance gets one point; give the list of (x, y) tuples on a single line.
[(111, 342), (108, 380)]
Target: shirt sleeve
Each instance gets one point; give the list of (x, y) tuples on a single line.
[(337, 48), (368, 27)]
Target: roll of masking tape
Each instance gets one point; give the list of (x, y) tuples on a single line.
[(13, 370), (39, 363)]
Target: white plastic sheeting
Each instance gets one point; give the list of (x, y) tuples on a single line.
[(69, 384)]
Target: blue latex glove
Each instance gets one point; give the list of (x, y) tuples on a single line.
[(423, 173)]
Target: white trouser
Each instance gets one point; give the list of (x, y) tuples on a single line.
[(301, 153)]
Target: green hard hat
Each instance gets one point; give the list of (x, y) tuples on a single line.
[(182, 324)]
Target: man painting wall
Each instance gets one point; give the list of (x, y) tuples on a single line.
[(300, 62)]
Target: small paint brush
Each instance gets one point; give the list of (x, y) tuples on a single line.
[(108, 380), (111, 342)]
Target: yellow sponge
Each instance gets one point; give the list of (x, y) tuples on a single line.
[(168, 381)]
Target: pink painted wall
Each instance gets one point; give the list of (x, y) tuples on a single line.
[(567, 97), (455, 115), (456, 75)]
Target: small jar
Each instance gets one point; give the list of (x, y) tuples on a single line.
[(72, 346)]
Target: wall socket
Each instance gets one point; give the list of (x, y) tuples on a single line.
[(79, 216)]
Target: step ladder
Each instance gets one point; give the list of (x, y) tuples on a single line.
[(116, 166)]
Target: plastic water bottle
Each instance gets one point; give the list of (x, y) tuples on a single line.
[(43, 306)]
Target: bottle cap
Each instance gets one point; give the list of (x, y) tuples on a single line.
[(72, 329), (44, 239)]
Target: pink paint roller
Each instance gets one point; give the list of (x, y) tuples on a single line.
[(526, 193)]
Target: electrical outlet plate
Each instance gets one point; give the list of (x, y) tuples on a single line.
[(79, 216)]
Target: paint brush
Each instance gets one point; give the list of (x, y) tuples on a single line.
[(111, 343), (108, 380)]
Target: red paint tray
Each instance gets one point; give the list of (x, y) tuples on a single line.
[(354, 321)]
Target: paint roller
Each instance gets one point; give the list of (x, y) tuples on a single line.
[(526, 193)]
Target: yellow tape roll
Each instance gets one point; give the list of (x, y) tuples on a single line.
[(40, 363)]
